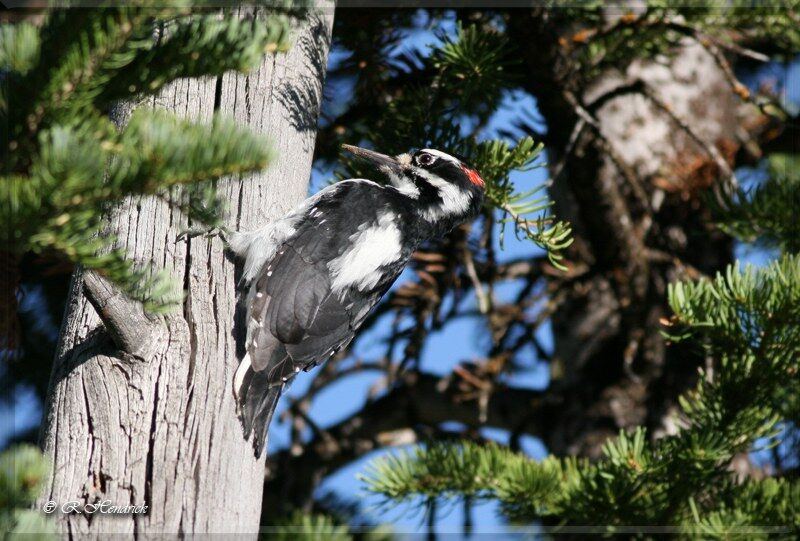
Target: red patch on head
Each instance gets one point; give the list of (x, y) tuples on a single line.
[(474, 177)]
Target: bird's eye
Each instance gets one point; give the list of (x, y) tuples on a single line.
[(425, 159)]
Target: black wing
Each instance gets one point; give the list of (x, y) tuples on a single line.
[(295, 318)]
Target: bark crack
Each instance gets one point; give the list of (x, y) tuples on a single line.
[(218, 93), (248, 107), (89, 490), (187, 314), (148, 470)]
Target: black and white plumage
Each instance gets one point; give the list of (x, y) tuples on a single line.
[(313, 276)]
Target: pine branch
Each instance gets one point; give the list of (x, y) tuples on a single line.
[(74, 46), (67, 162), (754, 508), (19, 47), (300, 525), (205, 45), (637, 481), (157, 150), (23, 472), (740, 312), (475, 65), (766, 213), (303, 526)]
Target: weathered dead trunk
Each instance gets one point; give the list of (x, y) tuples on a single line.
[(161, 430)]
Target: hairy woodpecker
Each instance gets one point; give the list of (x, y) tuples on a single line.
[(313, 276)]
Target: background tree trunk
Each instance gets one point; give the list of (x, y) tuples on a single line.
[(631, 184), (161, 430)]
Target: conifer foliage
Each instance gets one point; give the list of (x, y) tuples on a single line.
[(735, 321), (745, 320), (23, 471), (66, 160)]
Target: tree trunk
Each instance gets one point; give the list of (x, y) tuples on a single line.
[(160, 428)]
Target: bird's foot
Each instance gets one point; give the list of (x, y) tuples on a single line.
[(187, 234)]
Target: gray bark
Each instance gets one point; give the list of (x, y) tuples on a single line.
[(159, 428)]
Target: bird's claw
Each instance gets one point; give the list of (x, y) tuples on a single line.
[(206, 233)]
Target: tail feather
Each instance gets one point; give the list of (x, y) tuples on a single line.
[(263, 418), (256, 402)]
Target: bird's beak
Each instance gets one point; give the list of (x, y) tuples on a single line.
[(380, 160)]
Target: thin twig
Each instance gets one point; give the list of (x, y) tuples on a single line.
[(523, 223), (738, 49), (712, 45), (322, 382), (297, 409), (681, 28), (659, 256), (701, 37), (573, 137), (470, 378), (484, 302)]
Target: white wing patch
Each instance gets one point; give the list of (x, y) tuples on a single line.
[(259, 246), (371, 249), (238, 378)]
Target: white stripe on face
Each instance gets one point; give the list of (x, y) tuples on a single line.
[(454, 200), (442, 155)]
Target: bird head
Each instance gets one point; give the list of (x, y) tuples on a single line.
[(443, 187)]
